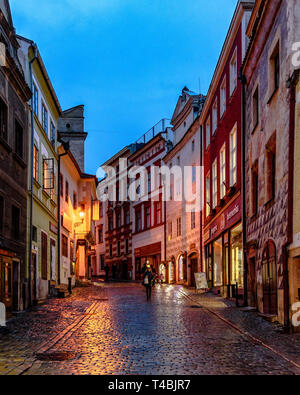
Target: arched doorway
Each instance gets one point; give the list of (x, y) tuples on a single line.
[(194, 267), (269, 279), (171, 271), (182, 269)]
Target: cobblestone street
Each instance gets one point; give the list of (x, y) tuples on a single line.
[(112, 329)]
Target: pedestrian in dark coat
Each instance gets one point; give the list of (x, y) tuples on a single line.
[(148, 282)]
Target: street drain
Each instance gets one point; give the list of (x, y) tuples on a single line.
[(195, 307), (56, 356)]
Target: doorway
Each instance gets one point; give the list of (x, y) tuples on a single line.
[(269, 279), (16, 290), (252, 293), (194, 268)]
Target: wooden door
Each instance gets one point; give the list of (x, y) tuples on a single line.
[(194, 269), (269, 278)]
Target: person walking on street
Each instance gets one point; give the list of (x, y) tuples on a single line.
[(148, 282)]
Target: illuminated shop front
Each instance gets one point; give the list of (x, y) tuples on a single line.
[(182, 269), (224, 252)]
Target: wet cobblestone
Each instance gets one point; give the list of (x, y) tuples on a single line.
[(127, 335)]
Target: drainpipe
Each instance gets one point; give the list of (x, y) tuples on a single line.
[(244, 215), (201, 191), (31, 176), (66, 148)]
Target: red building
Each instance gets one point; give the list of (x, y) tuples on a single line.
[(221, 125)]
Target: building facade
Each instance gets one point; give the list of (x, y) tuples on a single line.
[(183, 216), (14, 165), (268, 159), (221, 123)]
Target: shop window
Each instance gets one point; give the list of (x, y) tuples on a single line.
[(15, 222), (233, 157), (3, 120), (218, 263), (223, 172), (237, 270), (64, 243), (19, 139), (215, 183), (270, 158), (254, 188)]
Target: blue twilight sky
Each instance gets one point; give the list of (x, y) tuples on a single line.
[(125, 60)]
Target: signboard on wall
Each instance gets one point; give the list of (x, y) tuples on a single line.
[(201, 281)]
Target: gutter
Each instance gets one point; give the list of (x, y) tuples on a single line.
[(31, 177)]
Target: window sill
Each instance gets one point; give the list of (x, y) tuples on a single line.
[(269, 203), (21, 162), (45, 193), (273, 95), (255, 128), (5, 144), (37, 184)]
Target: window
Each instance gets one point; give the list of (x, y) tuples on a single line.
[(138, 219), (157, 213), (118, 219), (67, 192), (1, 213), (233, 73), (179, 227), (274, 70), (100, 210), (101, 262), (215, 117), (64, 243), (35, 100), (127, 246), (100, 236), (170, 231), (45, 119), (18, 139), (127, 216), (149, 182), (193, 219), (233, 157), (75, 205), (270, 158), (110, 223), (254, 188), (3, 120), (15, 222), (34, 234), (61, 183), (223, 172), (255, 108), (215, 183), (44, 256), (48, 174), (223, 97), (207, 194), (119, 248), (71, 253), (207, 132), (110, 250), (148, 217), (52, 134), (35, 163)]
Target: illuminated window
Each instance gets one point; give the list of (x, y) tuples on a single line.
[(35, 163), (233, 73), (215, 183), (233, 157), (208, 195)]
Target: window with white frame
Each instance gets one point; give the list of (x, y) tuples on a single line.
[(215, 183), (233, 157), (223, 97), (223, 172), (207, 182), (215, 116), (233, 72), (207, 132)]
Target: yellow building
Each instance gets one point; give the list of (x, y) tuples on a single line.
[(42, 229)]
